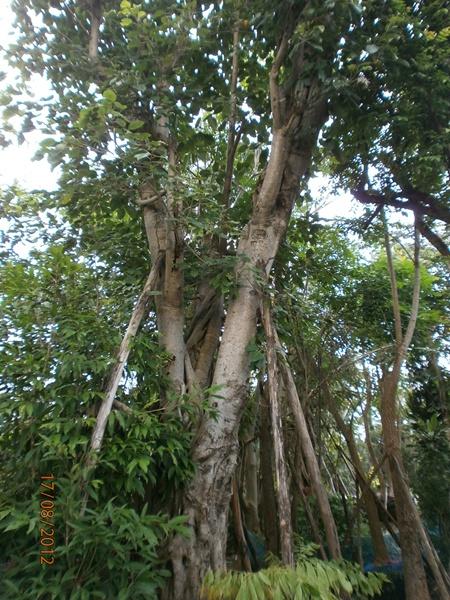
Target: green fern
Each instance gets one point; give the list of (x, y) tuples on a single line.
[(310, 579)]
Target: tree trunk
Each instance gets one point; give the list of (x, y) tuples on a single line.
[(116, 373), (268, 501), (239, 534), (413, 567), (164, 236), (312, 521), (415, 578), (250, 488), (206, 499), (282, 491), (381, 555), (312, 464)]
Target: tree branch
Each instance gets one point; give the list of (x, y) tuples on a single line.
[(277, 97), (394, 287), (433, 238), (122, 357)]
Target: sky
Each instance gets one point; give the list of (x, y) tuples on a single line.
[(17, 165)]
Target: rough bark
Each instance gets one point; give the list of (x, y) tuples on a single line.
[(268, 501), (282, 490), (297, 120), (207, 497), (239, 528)]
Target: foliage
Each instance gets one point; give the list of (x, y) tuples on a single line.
[(429, 446), (110, 553), (73, 262), (59, 306), (310, 578)]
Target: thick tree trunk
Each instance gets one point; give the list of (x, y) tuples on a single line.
[(207, 498)]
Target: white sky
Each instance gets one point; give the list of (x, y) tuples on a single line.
[(17, 166)]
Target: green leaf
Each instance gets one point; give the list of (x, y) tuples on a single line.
[(137, 124), (110, 95)]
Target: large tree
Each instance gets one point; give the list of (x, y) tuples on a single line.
[(185, 134)]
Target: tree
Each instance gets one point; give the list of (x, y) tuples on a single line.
[(185, 134)]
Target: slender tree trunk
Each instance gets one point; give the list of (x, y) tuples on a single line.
[(96, 19), (311, 463), (367, 420), (381, 555), (116, 373), (250, 488), (268, 501), (359, 553), (309, 514), (122, 355), (282, 491), (239, 528), (414, 571), (164, 236)]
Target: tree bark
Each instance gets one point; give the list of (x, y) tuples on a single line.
[(117, 370), (282, 491), (415, 578), (207, 497), (96, 19), (239, 528), (164, 237), (312, 521), (268, 501), (122, 357), (296, 125), (250, 479)]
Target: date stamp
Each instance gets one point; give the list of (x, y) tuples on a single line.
[(47, 493)]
